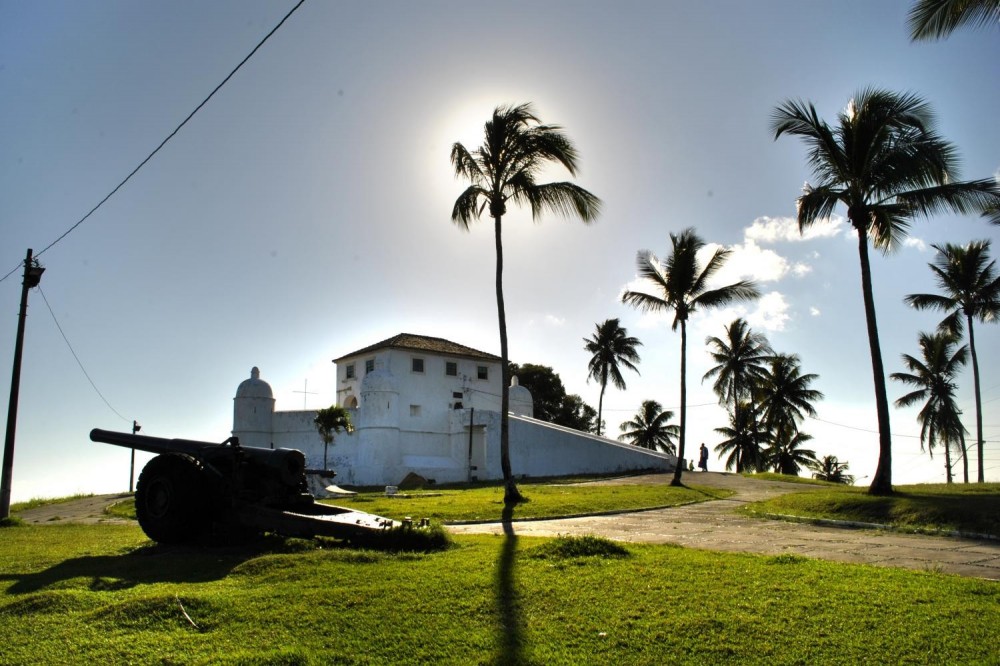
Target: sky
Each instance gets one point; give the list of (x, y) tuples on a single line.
[(304, 212)]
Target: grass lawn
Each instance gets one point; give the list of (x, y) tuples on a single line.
[(104, 593), (970, 508)]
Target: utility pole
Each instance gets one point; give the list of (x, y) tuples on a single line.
[(32, 277), (131, 470)]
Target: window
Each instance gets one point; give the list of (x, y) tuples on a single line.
[(417, 365), (349, 371), (369, 365), (482, 372), (414, 410), (451, 368)]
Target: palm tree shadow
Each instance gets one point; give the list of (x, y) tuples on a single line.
[(511, 620)]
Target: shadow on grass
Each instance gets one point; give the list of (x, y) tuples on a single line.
[(151, 563), (511, 621)]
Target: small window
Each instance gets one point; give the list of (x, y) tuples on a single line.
[(369, 365), (418, 365), (457, 395), (414, 410), (451, 368), (349, 371), (482, 372)]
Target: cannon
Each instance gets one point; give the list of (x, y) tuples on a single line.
[(192, 490)]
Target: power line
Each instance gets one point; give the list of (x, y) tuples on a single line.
[(78, 362), (162, 143)]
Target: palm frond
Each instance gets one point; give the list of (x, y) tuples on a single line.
[(934, 19), (564, 198), (467, 206)]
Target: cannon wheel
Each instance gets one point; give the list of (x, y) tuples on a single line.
[(170, 499)]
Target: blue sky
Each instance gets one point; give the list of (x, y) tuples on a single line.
[(304, 212)]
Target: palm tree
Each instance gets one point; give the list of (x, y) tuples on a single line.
[(828, 468), (934, 376), (741, 359), (786, 398), (504, 169), (683, 287), (885, 163), (786, 454), (329, 422), (742, 444), (934, 19), (611, 346), (971, 289), (650, 428)]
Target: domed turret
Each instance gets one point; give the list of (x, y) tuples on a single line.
[(521, 402), (253, 408)]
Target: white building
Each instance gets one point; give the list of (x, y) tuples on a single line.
[(430, 406)]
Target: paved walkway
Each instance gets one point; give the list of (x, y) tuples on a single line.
[(714, 525)]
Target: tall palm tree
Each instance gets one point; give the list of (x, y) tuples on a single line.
[(885, 163), (650, 428), (742, 444), (828, 468), (934, 19), (933, 375), (516, 148), (741, 359), (786, 454), (683, 287), (971, 287), (610, 347), (786, 398)]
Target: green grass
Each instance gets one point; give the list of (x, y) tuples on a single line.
[(970, 508), (36, 502), (789, 478), (104, 594), (547, 500)]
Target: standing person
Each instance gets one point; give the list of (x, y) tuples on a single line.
[(703, 458)]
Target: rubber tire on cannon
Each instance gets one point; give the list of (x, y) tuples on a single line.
[(170, 499)]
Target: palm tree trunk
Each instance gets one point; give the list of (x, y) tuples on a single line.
[(511, 494), (965, 456), (676, 481), (947, 462), (600, 404), (882, 481), (979, 398)]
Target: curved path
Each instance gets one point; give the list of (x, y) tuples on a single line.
[(714, 525)]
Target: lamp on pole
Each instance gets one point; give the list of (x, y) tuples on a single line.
[(32, 277), (131, 470)]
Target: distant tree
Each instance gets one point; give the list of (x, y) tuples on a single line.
[(786, 396), (330, 422), (610, 348), (651, 429), (683, 287), (741, 358), (742, 444), (971, 286), (934, 19), (551, 402), (516, 148), (786, 455), (885, 163), (933, 375), (828, 468)]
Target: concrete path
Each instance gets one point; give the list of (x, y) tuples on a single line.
[(714, 525), (86, 510)]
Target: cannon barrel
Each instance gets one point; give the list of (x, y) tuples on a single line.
[(288, 463)]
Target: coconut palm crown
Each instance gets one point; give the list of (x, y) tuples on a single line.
[(611, 347), (682, 285), (504, 169), (884, 162)]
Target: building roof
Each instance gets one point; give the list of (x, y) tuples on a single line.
[(422, 343)]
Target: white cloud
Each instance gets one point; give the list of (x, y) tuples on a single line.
[(747, 262), (800, 269), (769, 314), (814, 311), (554, 321), (776, 229), (918, 243)]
